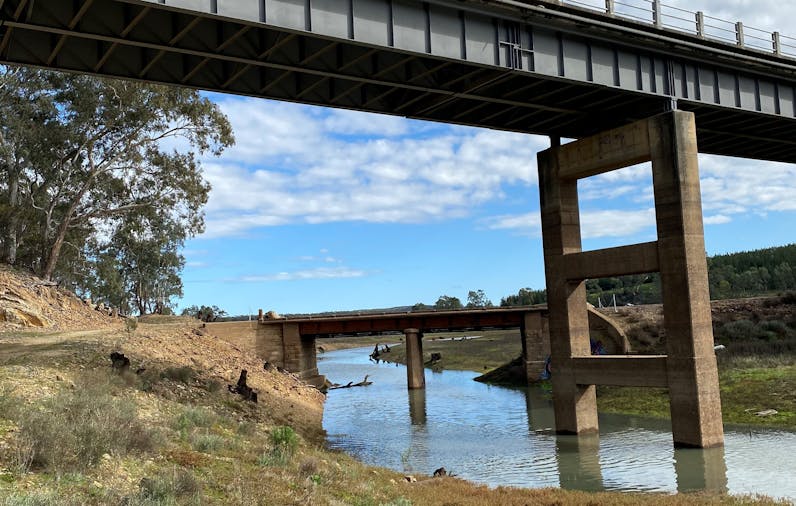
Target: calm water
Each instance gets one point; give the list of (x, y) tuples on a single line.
[(501, 436)]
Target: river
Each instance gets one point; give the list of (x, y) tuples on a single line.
[(503, 436)]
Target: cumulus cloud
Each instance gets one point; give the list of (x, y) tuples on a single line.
[(291, 165)]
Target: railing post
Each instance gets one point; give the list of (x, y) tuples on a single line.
[(610, 8), (739, 39), (656, 14), (777, 43), (700, 24)]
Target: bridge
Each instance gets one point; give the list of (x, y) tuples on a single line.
[(638, 89), (291, 342)]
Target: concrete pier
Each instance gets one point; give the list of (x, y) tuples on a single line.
[(689, 368), (415, 374)]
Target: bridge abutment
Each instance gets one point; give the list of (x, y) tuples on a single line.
[(689, 369)]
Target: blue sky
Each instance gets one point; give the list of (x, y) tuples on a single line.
[(319, 209)]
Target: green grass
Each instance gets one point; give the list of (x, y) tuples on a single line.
[(744, 392)]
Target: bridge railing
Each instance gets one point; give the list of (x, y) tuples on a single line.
[(657, 13)]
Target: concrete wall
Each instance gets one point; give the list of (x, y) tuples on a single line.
[(279, 345)]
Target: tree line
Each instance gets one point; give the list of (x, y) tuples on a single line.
[(100, 183), (734, 275)]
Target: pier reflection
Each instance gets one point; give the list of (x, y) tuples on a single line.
[(699, 470), (417, 406)]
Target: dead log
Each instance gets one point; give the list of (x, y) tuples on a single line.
[(242, 389)]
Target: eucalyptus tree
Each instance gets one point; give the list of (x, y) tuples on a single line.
[(84, 156)]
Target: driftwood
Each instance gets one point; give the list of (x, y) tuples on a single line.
[(243, 389), (351, 384)]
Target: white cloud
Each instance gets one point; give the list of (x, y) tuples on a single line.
[(319, 273), (718, 219), (594, 224), (289, 167)]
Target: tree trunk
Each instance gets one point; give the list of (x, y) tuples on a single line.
[(10, 240)]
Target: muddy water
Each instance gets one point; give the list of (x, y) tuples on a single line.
[(502, 436)]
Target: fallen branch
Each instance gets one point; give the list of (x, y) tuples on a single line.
[(351, 384)]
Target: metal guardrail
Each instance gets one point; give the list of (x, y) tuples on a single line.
[(660, 15)]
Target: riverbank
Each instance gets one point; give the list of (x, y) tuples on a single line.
[(168, 430), (73, 432)]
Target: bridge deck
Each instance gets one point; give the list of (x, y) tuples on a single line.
[(532, 67), (427, 321)]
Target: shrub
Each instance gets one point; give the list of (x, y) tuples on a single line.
[(72, 430), (194, 417), (207, 443), (740, 330), (308, 467), (776, 327), (130, 324), (183, 374), (213, 386), (284, 443), (169, 487), (8, 402)]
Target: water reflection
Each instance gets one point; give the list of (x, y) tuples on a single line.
[(501, 436), (417, 406), (700, 470), (579, 462)]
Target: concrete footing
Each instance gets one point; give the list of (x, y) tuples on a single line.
[(689, 369)]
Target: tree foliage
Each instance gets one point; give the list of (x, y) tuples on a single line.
[(525, 297), (100, 182), (448, 302), (477, 298), (204, 313)]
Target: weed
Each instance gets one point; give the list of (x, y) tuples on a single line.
[(72, 430), (8, 402), (148, 379), (130, 324), (183, 374), (207, 443), (401, 501), (214, 386), (284, 443), (176, 486), (37, 498), (194, 417), (308, 467), (246, 428)]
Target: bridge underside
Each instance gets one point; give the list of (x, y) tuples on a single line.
[(544, 75)]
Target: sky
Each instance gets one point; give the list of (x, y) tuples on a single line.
[(317, 209)]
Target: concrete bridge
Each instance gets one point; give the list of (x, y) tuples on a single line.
[(291, 342), (629, 89)]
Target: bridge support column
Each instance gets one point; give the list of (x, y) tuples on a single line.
[(415, 375), (689, 371), (535, 345)]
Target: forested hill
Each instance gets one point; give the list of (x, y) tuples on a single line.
[(733, 275), (752, 272)]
